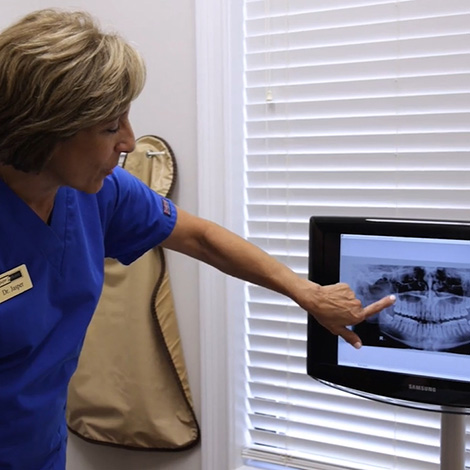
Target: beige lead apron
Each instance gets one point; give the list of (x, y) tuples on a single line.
[(131, 387)]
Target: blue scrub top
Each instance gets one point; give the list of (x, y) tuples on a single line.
[(42, 329)]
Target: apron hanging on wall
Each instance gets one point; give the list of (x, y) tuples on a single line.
[(131, 387)]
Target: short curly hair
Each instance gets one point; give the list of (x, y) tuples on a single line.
[(59, 73)]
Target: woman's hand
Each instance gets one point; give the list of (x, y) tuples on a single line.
[(336, 307)]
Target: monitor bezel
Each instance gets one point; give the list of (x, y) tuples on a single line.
[(429, 393)]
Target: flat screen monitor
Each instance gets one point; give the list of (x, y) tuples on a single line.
[(417, 352)]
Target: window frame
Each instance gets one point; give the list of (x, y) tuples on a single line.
[(219, 49)]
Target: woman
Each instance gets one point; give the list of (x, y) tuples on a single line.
[(65, 93)]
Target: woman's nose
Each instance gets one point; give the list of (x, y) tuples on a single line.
[(126, 142)]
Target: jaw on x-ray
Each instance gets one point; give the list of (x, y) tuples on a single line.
[(432, 307)]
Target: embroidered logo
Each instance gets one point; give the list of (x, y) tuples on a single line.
[(166, 207)]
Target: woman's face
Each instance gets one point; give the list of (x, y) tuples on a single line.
[(83, 161)]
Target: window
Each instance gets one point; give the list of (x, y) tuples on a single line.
[(352, 107)]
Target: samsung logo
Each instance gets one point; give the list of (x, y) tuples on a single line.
[(422, 388)]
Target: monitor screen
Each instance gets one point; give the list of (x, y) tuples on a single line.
[(417, 352)]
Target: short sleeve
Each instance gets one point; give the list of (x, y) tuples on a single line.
[(134, 217)]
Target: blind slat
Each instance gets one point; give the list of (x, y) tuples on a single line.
[(375, 87), (406, 67), (361, 160), (259, 9), (364, 126), (369, 33), (361, 107)]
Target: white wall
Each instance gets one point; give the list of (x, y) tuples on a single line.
[(163, 30)]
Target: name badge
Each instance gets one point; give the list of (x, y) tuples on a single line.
[(14, 282)]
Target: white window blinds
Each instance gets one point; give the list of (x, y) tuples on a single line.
[(353, 107)]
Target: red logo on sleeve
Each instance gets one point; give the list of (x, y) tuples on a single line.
[(166, 207)]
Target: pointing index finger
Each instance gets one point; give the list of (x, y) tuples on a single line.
[(376, 307)]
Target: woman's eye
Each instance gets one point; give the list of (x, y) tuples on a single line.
[(113, 130)]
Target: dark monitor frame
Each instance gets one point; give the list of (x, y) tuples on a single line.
[(430, 393)]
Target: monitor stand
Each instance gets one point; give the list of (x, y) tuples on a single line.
[(452, 441)]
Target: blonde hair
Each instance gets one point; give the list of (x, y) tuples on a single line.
[(59, 73)]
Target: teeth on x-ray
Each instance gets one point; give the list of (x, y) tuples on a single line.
[(432, 307)]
